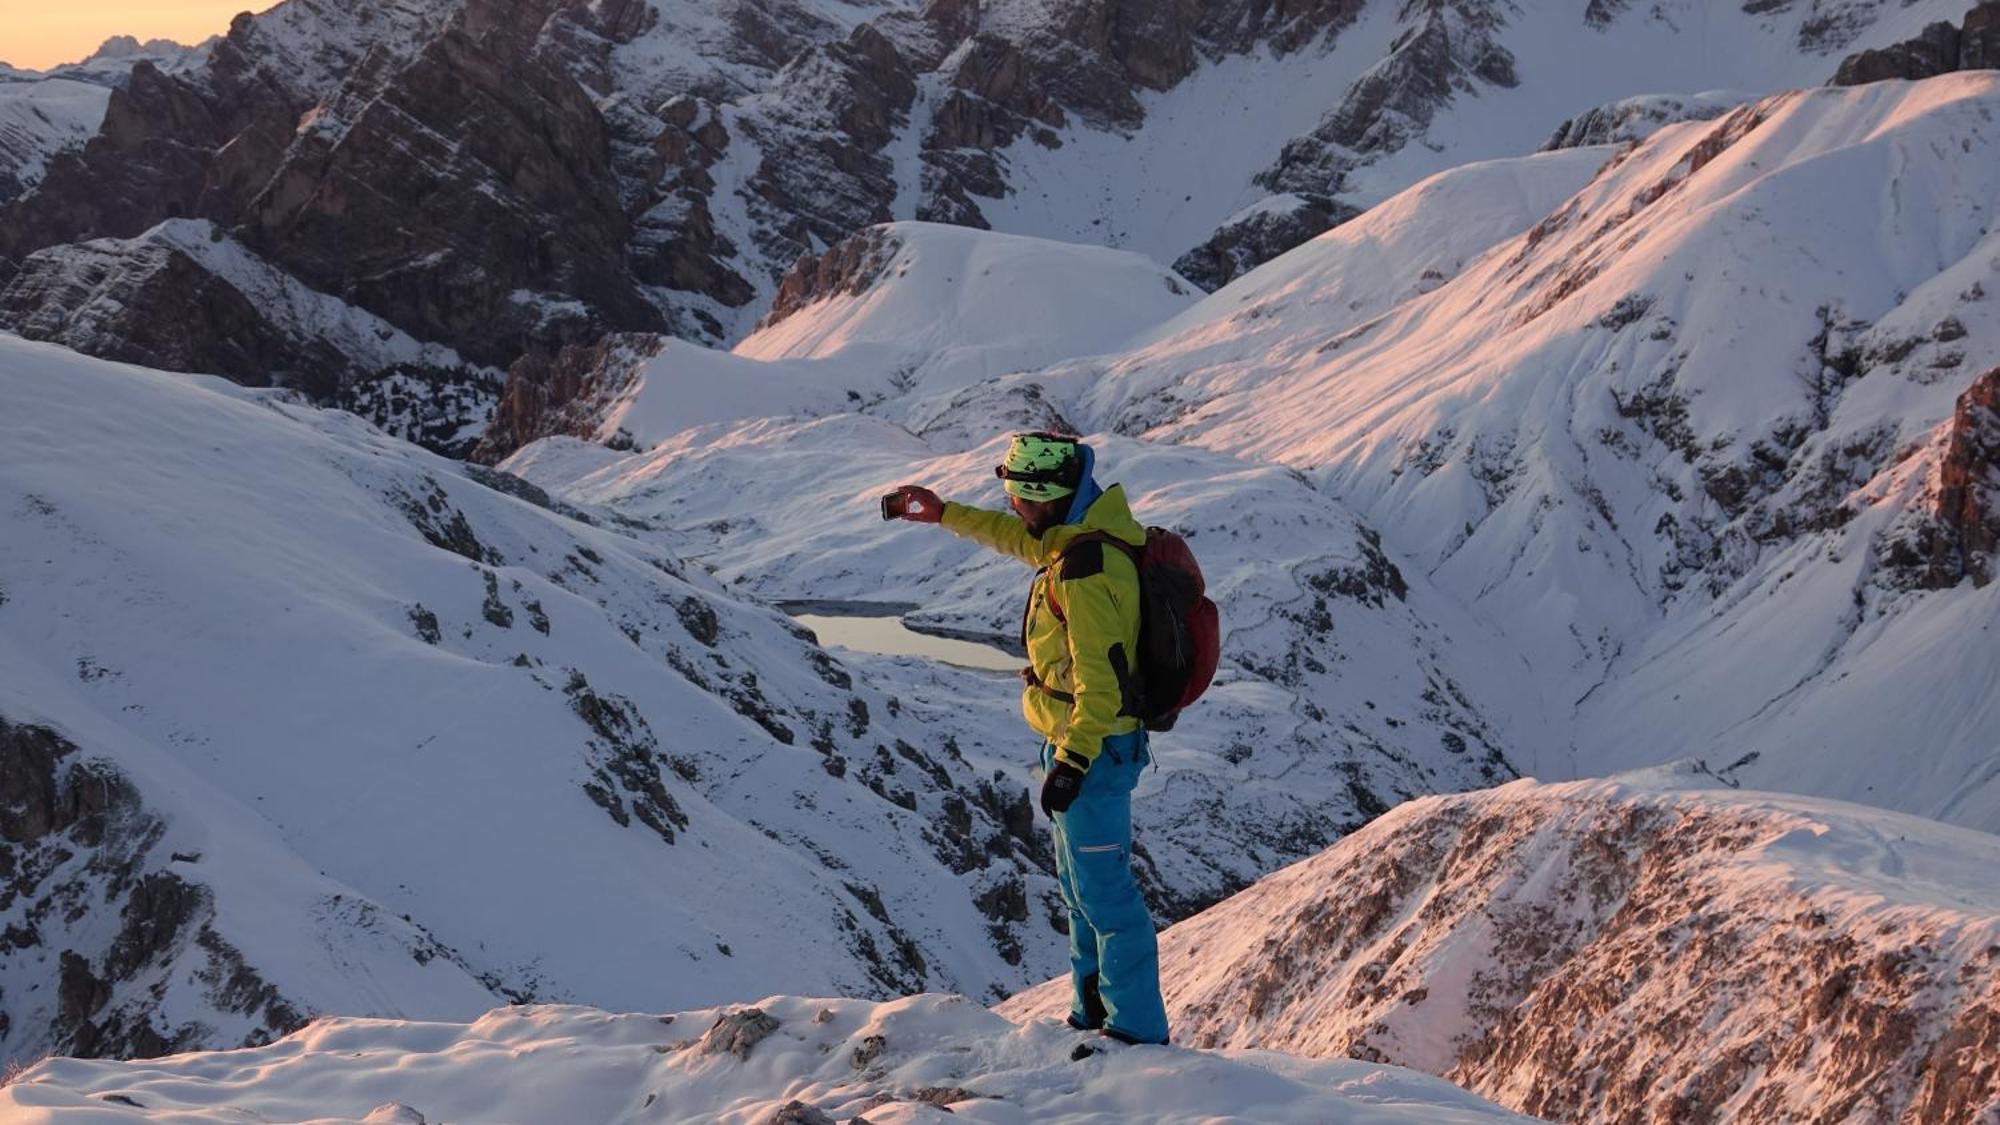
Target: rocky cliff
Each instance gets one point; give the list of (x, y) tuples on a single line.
[(77, 842)]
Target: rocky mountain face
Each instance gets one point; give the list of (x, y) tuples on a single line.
[(1972, 44), (425, 166), (1620, 953), (1449, 47), (1631, 120), (184, 296), (1261, 233), (45, 113), (569, 394), (510, 178), (38, 119)]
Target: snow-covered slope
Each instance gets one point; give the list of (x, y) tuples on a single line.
[(1572, 450), (1348, 684), (904, 311), (967, 305), (786, 1061), (1667, 439), (305, 719), (40, 117), (1394, 252), (1622, 951)]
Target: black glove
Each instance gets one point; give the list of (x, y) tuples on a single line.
[(1059, 788)]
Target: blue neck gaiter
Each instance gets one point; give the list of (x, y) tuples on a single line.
[(1087, 492)]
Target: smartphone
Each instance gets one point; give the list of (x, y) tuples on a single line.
[(892, 506)]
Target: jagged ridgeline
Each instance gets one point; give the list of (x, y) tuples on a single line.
[(430, 194)]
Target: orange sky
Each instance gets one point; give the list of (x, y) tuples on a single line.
[(39, 34)]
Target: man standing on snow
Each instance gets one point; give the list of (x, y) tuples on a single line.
[(1081, 629)]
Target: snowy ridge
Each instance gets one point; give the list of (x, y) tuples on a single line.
[(345, 683), (1620, 432), (40, 118), (974, 305), (1394, 252), (1626, 950), (312, 48), (717, 143), (928, 311), (1143, 188), (366, 342), (785, 1060)]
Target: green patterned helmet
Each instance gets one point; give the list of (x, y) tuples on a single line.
[(1042, 466)]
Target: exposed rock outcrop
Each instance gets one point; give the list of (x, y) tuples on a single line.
[(1939, 49), (77, 847), (1979, 38), (1955, 535), (184, 297), (850, 268), (1635, 119), (1934, 52), (147, 302), (148, 163), (568, 393), (502, 233), (1257, 235), (457, 185), (1450, 47)]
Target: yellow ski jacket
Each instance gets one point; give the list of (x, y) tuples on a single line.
[(1081, 625)]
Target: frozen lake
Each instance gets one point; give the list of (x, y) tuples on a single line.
[(878, 627)]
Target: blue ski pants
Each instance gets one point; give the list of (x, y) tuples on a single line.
[(1113, 954)]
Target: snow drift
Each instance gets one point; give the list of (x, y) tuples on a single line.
[(785, 1061)]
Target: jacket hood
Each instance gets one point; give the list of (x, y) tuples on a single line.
[(1109, 513)]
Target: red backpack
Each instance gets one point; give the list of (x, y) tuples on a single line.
[(1180, 630)]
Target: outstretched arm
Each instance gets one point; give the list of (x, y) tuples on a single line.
[(1002, 531)]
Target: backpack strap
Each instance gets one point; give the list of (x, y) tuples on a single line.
[(1056, 564)]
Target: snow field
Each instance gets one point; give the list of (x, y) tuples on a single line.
[(920, 1059)]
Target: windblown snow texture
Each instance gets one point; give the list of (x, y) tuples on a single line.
[(785, 1059)]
